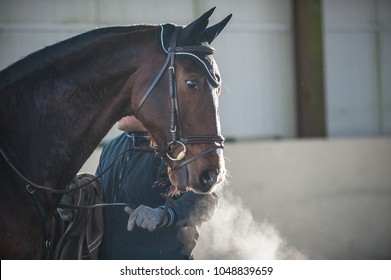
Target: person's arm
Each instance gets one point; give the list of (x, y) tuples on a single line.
[(102, 160), (189, 209), (194, 209)]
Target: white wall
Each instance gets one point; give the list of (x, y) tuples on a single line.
[(358, 70)]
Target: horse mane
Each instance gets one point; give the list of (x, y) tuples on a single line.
[(48, 54)]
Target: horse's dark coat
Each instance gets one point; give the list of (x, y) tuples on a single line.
[(58, 103)]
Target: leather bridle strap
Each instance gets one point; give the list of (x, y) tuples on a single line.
[(203, 139), (151, 87), (172, 50), (175, 125), (174, 112), (30, 185), (200, 154)]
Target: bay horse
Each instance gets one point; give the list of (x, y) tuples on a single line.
[(58, 103)]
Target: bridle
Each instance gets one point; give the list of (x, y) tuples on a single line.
[(177, 139)]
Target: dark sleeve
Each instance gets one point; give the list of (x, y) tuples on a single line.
[(193, 209), (101, 161), (108, 148)]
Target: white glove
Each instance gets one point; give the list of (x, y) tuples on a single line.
[(66, 214), (145, 217)]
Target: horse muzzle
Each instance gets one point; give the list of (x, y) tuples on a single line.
[(201, 171)]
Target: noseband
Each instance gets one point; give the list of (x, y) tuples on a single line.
[(177, 139)]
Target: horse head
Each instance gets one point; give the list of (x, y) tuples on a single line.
[(183, 115)]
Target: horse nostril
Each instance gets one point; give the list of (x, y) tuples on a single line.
[(208, 179)]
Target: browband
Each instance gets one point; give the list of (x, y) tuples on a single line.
[(192, 51)]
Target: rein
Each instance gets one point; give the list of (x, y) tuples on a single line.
[(31, 186)]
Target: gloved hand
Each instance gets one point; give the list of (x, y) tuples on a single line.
[(145, 217), (66, 214)]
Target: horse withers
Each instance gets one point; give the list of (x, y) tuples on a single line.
[(58, 103)]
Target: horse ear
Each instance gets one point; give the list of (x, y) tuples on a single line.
[(212, 32), (191, 32)]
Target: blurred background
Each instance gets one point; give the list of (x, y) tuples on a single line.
[(305, 107)]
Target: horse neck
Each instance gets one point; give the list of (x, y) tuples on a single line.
[(59, 113)]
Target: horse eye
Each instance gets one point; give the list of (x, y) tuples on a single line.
[(191, 84)]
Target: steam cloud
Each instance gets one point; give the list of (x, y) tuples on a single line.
[(232, 233)]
